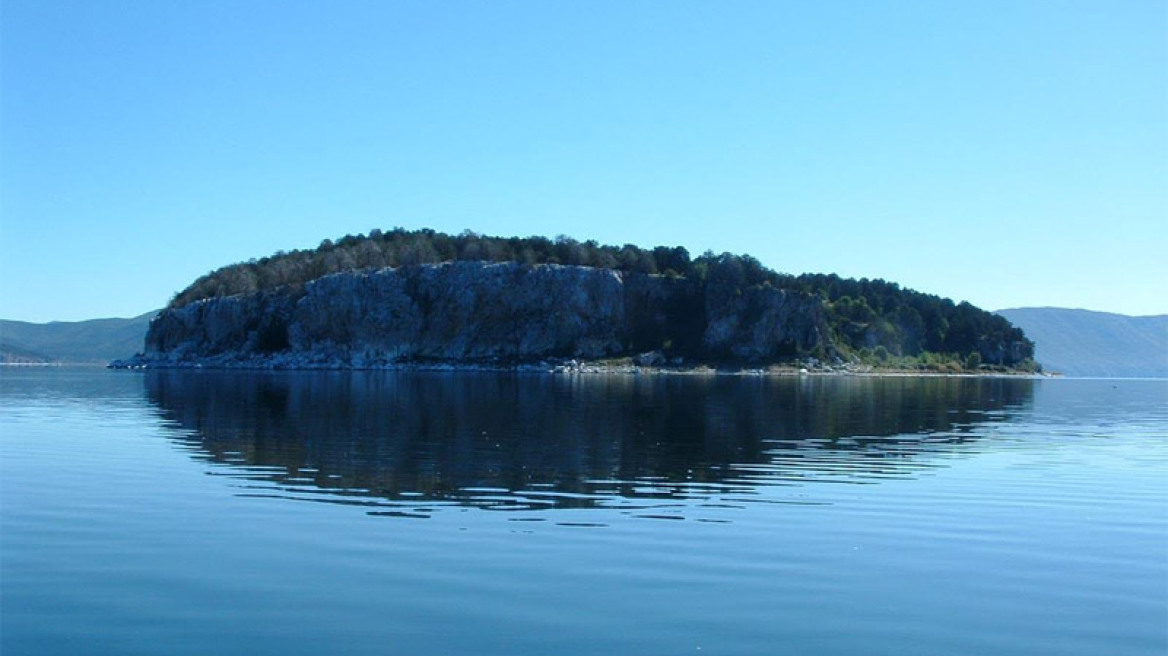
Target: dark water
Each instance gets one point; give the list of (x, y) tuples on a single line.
[(382, 513)]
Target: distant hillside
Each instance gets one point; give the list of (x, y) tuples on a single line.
[(1085, 343), (93, 341), (15, 355)]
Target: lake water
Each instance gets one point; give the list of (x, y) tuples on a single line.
[(437, 513)]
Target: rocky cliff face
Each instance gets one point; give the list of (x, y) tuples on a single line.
[(478, 312), (762, 323)]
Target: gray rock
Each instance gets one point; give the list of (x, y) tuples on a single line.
[(763, 323), (650, 359), (474, 312)]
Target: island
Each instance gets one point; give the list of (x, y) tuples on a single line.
[(422, 298)]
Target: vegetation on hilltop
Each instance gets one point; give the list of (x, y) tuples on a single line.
[(875, 321)]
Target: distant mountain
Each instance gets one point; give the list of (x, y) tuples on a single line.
[(1085, 343), (15, 355), (93, 341)]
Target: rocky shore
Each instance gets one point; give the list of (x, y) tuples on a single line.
[(570, 367)]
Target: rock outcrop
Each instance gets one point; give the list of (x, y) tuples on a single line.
[(474, 312)]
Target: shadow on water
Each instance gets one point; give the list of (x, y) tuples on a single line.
[(410, 443)]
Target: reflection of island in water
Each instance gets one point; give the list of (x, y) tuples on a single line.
[(523, 442)]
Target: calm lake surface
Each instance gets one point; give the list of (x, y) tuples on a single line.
[(435, 513)]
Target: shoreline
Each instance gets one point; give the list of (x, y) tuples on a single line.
[(572, 368)]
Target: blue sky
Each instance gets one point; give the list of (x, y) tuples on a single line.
[(1004, 153)]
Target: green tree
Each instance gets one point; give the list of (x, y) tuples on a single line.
[(973, 361)]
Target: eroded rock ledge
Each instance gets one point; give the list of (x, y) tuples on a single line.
[(480, 313)]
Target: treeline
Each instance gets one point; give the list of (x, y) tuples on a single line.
[(879, 319), (874, 320)]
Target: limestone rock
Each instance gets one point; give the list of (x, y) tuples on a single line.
[(482, 312)]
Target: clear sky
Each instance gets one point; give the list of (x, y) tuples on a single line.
[(1008, 153)]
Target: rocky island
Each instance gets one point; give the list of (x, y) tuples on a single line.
[(427, 299)]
